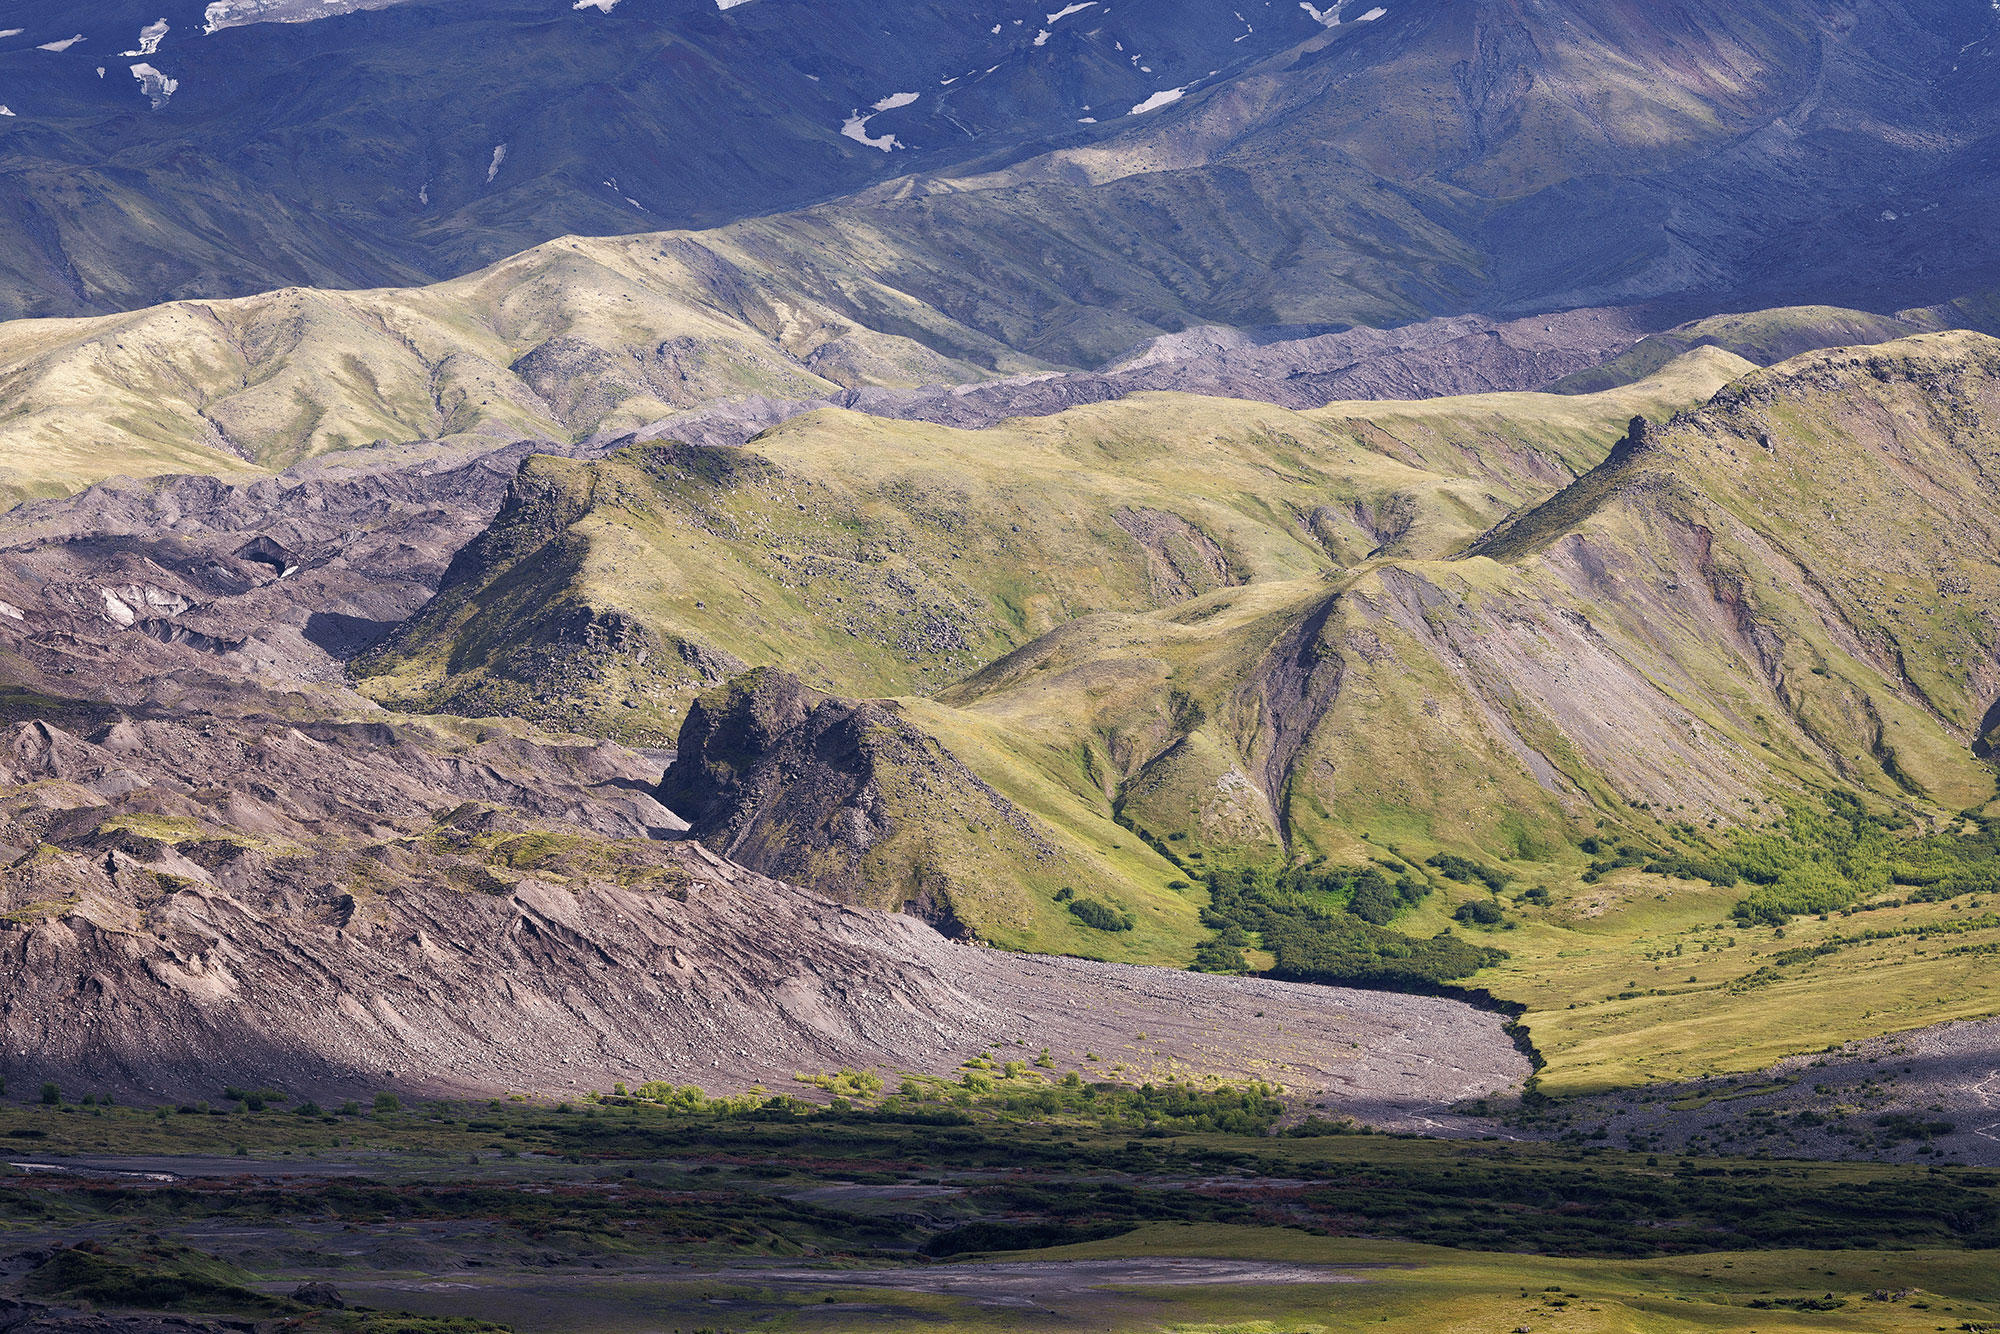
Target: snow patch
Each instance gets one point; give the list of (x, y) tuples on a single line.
[(6, 111), (5, 33), (601, 6), (1330, 16), (493, 167), (13, 612), (155, 85), (1067, 10), (64, 45), (1158, 100), (1042, 37), (856, 125), (730, 4), (150, 38)]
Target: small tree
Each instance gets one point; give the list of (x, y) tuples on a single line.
[(387, 1102), (51, 1094)]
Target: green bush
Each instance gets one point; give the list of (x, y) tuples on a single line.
[(1215, 955), (1466, 871), (1479, 913), (1099, 916)]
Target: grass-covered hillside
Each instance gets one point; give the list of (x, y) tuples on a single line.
[(1187, 638), (1532, 159), (1072, 606)]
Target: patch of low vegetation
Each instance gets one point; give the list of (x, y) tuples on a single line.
[(1831, 855), (158, 1277), (1079, 1159), (1330, 924)]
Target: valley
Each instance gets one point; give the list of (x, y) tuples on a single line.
[(754, 666)]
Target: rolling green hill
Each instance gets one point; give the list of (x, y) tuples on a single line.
[(1079, 593), (1442, 158), (1184, 636)]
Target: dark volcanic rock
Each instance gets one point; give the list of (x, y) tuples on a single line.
[(836, 794), (1467, 354), (37, 1318)]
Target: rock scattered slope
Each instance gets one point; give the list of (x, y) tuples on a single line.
[(218, 866), (335, 910), (178, 589)]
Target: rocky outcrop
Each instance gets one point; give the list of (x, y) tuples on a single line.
[(844, 796), (215, 583)]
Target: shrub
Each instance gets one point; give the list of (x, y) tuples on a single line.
[(1466, 871), (1218, 956), (51, 1094), (387, 1102), (1099, 916), (1479, 913)]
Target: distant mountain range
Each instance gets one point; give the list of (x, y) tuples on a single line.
[(169, 148), (1052, 193)]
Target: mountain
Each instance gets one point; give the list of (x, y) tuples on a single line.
[(221, 867), (178, 149), (1264, 637), (1639, 165), (879, 558), (1448, 156)]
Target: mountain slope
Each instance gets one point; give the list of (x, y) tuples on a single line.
[(876, 557), (1449, 156), (1775, 592), (421, 141)]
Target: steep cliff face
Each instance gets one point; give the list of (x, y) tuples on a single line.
[(850, 798)]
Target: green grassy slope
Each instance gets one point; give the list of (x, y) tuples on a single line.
[(1770, 336), (569, 338), (881, 558), (1082, 594), (1187, 635)]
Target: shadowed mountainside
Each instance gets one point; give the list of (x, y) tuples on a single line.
[(424, 140)]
